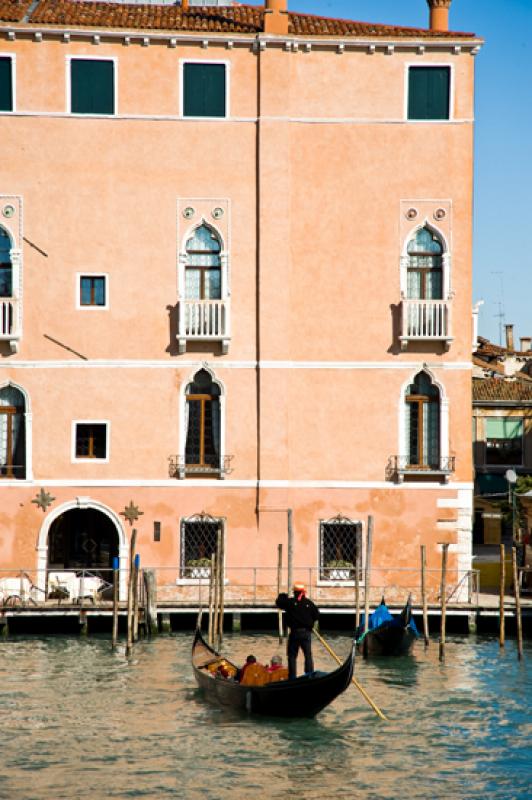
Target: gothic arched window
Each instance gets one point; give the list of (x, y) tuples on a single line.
[(422, 417), (424, 271), (12, 433), (203, 265), (6, 267), (202, 423)]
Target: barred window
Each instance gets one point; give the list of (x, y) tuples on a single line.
[(199, 535), (340, 548)]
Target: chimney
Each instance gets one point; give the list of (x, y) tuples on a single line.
[(525, 343), (276, 17), (509, 337), (439, 14)]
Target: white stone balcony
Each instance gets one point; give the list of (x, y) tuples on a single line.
[(425, 321), (10, 329), (204, 321)]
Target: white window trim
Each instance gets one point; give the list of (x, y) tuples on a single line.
[(203, 581), (404, 263), (227, 64), (444, 413), (451, 117), (13, 58), (68, 97), (28, 432), (74, 459), (183, 416), (79, 276)]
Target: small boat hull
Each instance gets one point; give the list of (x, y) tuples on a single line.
[(302, 697)]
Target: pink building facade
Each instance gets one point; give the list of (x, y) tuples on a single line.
[(235, 262)]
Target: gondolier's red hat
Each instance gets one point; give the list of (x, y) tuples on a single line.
[(298, 586)]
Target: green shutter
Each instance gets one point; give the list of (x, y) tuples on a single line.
[(503, 428), (428, 92), (92, 86), (6, 85), (204, 90)]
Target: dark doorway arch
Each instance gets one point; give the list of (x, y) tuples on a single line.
[(82, 538)]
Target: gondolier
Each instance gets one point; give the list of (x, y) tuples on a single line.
[(300, 615)]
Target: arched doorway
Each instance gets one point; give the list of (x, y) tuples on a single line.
[(83, 538)]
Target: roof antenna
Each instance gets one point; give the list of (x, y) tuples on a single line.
[(500, 306)]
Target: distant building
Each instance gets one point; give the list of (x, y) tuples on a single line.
[(235, 279)]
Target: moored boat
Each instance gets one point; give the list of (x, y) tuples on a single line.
[(388, 635), (303, 697)]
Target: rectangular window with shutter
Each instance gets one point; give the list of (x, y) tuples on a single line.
[(6, 83), (429, 93), (504, 440), (204, 89), (92, 86)]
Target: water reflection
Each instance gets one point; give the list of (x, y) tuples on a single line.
[(81, 721)]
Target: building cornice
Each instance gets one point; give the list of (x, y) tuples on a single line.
[(261, 41)]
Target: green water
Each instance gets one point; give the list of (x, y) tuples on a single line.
[(79, 721)]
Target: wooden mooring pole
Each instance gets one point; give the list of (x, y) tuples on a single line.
[(367, 576), (424, 594), (136, 592), (116, 589), (290, 557), (210, 629), (517, 596), (502, 580), (358, 560), (222, 588), (150, 585), (130, 592), (279, 581), (443, 598)]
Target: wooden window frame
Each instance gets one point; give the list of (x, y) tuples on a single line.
[(202, 269), (419, 400), (203, 398), (9, 411), (92, 306), (77, 459)]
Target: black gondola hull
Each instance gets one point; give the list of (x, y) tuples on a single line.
[(303, 697), (389, 639)]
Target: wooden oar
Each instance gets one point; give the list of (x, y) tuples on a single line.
[(362, 691)]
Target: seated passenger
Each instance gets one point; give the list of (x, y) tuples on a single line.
[(242, 671), (275, 664)]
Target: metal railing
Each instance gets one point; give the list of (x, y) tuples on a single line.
[(244, 587), (424, 320), (399, 467), (178, 468)]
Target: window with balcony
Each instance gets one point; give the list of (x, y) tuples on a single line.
[(204, 314), (204, 89), (426, 313), (422, 417), (340, 548), (199, 538), (92, 86), (12, 433), (429, 93), (6, 83), (202, 449), (504, 441), (91, 441)]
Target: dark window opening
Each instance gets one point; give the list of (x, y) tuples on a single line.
[(12, 434), (92, 86), (92, 290), (199, 538), (6, 84), (204, 90), (202, 450), (91, 440), (423, 423), (429, 92), (6, 267)]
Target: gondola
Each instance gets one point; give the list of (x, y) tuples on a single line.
[(302, 697), (387, 635)]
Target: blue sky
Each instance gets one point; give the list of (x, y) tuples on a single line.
[(503, 142)]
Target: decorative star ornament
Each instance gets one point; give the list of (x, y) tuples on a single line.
[(132, 512), (43, 499)]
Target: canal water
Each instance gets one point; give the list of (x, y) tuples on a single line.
[(81, 722)]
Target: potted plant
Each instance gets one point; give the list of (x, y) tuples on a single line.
[(199, 568), (339, 570)]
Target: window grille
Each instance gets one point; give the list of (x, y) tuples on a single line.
[(340, 548), (199, 535)]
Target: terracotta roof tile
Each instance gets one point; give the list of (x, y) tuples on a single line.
[(13, 10), (226, 19), (492, 389), (487, 348)]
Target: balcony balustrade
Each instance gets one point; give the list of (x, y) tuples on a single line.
[(178, 468), (425, 321), (10, 322), (204, 320), (401, 467)]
